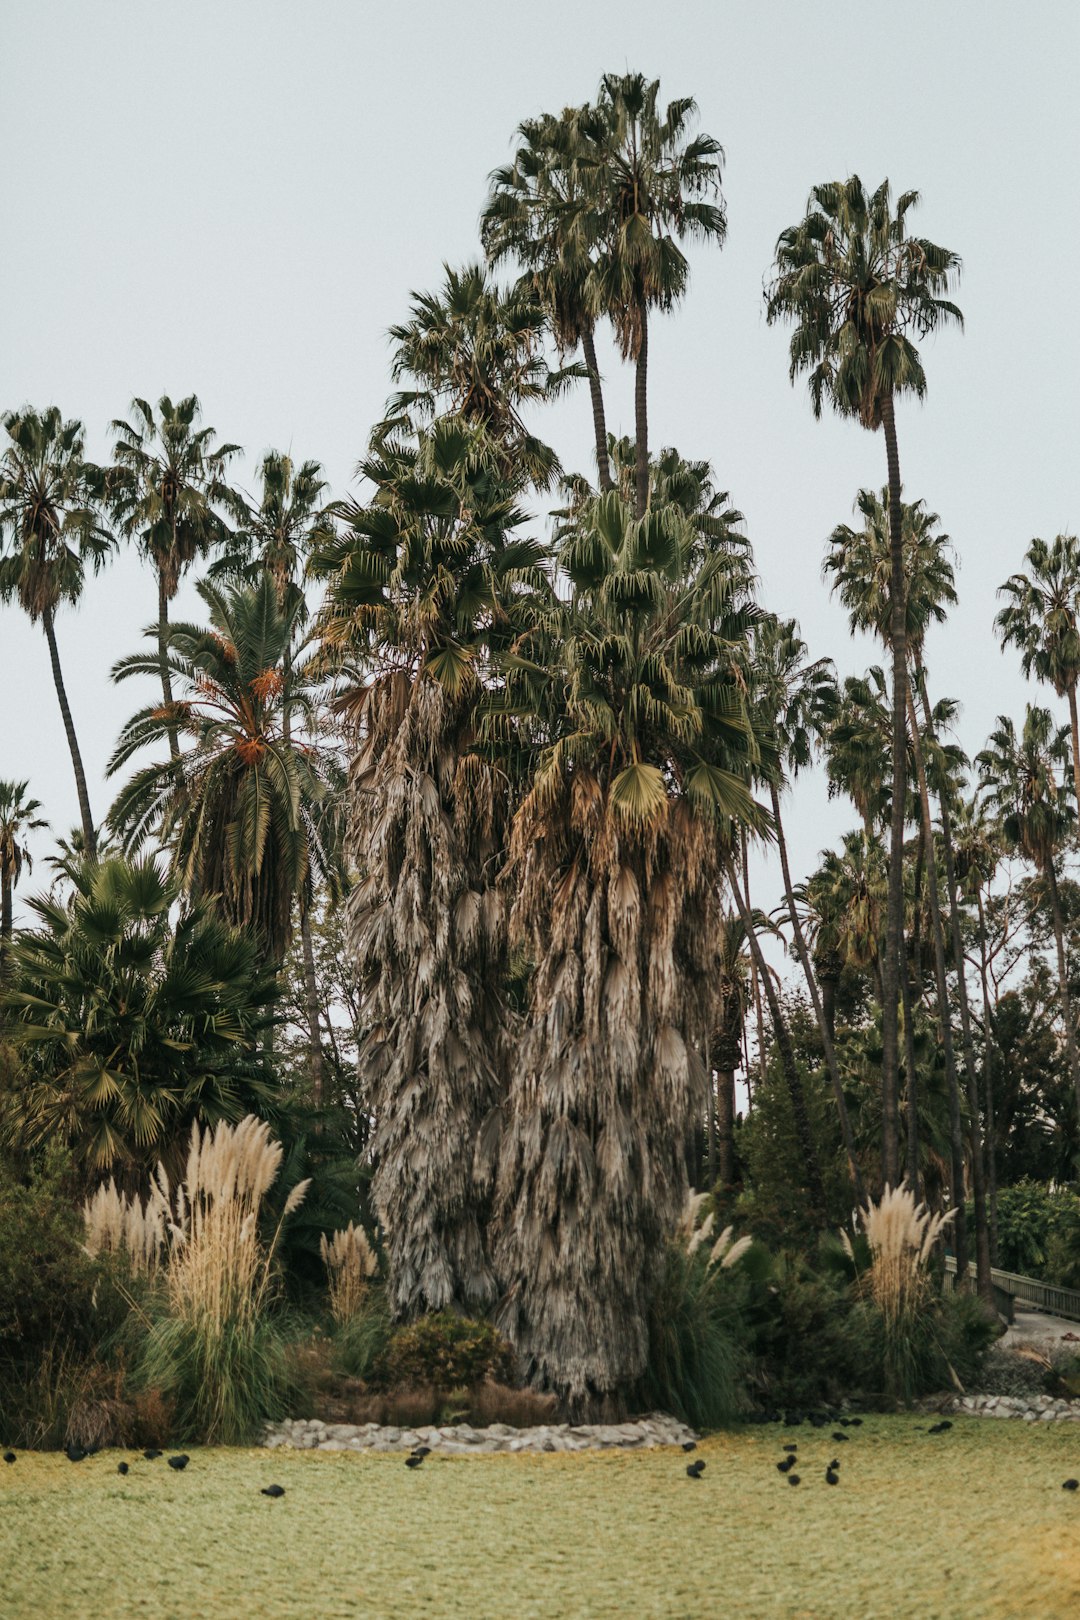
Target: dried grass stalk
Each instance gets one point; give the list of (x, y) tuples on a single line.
[(349, 1260)]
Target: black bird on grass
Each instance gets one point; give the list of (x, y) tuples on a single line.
[(179, 1463), (150, 1453), (831, 1477), (792, 1447), (840, 1435), (74, 1453), (793, 1479), (939, 1428), (854, 1423), (835, 1463), (421, 1452), (1071, 1485), (695, 1470), (9, 1456), (689, 1445), (121, 1468), (786, 1466), (273, 1490), (414, 1461)]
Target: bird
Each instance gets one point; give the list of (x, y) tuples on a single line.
[(786, 1466), (421, 1452), (73, 1452), (791, 1448), (9, 1456), (831, 1477), (854, 1423), (844, 1422), (689, 1445), (840, 1435), (693, 1470), (413, 1461), (817, 1420), (793, 1479), (939, 1428), (835, 1463), (179, 1463), (1071, 1485), (150, 1453), (121, 1468), (273, 1490)]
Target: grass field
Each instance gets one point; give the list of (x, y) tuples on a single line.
[(966, 1525)]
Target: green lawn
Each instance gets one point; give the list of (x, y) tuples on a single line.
[(969, 1524)]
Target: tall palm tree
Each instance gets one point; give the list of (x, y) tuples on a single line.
[(540, 213), (50, 533), (794, 700), (427, 581), (860, 292), (726, 1042), (474, 351), (1020, 784), (18, 816), (1040, 618), (845, 906), (236, 808), (166, 487), (652, 185), (631, 695)]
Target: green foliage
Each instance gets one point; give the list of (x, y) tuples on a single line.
[(804, 1352), (696, 1361), (224, 1385), (447, 1351), (46, 1278), (1039, 1232), (361, 1342)]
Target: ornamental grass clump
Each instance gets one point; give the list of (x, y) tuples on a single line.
[(350, 1262), (215, 1345), (118, 1224), (901, 1235)]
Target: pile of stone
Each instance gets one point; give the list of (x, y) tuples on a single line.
[(1031, 1408), (460, 1439)]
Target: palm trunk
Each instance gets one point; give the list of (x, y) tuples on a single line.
[(710, 1121), (1063, 980), (89, 835), (1075, 728), (815, 998), (755, 986), (725, 1126), (978, 1171), (988, 1081), (311, 1000), (641, 415), (603, 462), (788, 1064), (5, 918), (956, 1124), (890, 1096), (911, 1163), (163, 662)]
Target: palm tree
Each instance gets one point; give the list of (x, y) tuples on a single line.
[(49, 520), (18, 816), (165, 486), (131, 1025), (1020, 785), (539, 212), (427, 579), (794, 700), (860, 292), (630, 693), (726, 1043), (845, 903), (1040, 618), (651, 185), (236, 807), (474, 351)]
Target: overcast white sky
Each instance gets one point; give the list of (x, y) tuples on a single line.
[(235, 197)]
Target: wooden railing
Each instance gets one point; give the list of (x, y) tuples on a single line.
[(1029, 1291)]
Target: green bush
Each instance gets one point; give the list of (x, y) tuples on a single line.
[(447, 1352), (803, 1349), (697, 1365), (1039, 1232), (362, 1340), (46, 1278), (221, 1388)]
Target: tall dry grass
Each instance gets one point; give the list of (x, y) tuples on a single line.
[(118, 1224), (350, 1262), (901, 1235)]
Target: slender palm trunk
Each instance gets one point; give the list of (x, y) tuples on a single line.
[(956, 1123), (725, 1126), (641, 415), (988, 1081), (978, 1168), (890, 1106), (1074, 725), (815, 999), (311, 1002), (88, 832), (5, 917), (1063, 980), (710, 1121), (912, 1169), (788, 1064), (755, 983), (603, 463), (163, 661), (828, 1003)]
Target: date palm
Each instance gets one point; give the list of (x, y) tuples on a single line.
[(652, 185), (1020, 784), (631, 694), (50, 534), (861, 293), (426, 579), (166, 487), (18, 816), (130, 1025), (237, 807), (1040, 618)]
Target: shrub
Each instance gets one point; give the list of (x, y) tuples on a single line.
[(803, 1351), (901, 1235), (446, 1352), (1012, 1372), (350, 1261), (1039, 1232), (360, 1340), (46, 1279)]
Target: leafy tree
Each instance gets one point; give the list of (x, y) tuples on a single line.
[(1040, 618), (166, 487), (860, 292), (130, 1024), (50, 523), (18, 816)]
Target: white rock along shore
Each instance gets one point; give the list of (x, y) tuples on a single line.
[(1031, 1408), (461, 1439)]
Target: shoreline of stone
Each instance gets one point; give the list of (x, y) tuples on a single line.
[(1030, 1408), (461, 1439)]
